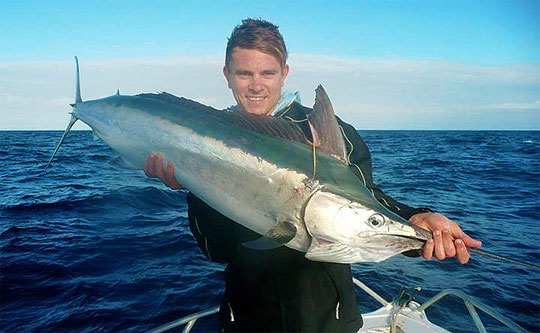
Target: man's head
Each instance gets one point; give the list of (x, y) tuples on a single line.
[(255, 65), (258, 35)]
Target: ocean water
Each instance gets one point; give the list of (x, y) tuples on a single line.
[(92, 245)]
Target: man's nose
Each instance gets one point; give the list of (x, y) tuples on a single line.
[(256, 84)]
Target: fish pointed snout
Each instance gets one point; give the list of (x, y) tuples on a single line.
[(405, 229), (421, 233)]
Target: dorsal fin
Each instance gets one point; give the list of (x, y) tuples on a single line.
[(325, 129), (276, 127), (178, 101)]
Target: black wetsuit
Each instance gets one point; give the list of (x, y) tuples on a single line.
[(280, 290)]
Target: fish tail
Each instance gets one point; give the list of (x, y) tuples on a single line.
[(78, 98), (71, 122), (73, 119)]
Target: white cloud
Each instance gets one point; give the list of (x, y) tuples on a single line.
[(42, 91), (369, 93), (413, 94), (515, 106), (10, 100)]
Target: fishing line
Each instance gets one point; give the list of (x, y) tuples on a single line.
[(502, 258), (314, 159)]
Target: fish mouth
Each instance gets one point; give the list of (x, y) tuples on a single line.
[(404, 231), (374, 248), (327, 251), (375, 238)]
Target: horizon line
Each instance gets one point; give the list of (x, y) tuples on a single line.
[(362, 129)]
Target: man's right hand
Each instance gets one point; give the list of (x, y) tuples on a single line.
[(154, 168)]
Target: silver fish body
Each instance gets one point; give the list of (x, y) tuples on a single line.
[(219, 162), (259, 171), (258, 180)]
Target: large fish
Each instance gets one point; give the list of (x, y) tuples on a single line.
[(261, 172)]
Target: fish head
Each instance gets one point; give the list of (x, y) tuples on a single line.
[(347, 231)]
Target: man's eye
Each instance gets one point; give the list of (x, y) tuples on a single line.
[(269, 75)]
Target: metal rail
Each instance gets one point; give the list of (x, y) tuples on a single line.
[(369, 291), (189, 321), (472, 304)]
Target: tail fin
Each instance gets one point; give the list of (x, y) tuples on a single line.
[(78, 98), (73, 119), (71, 122)]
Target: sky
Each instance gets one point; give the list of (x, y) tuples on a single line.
[(385, 64)]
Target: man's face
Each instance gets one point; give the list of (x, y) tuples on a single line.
[(256, 79)]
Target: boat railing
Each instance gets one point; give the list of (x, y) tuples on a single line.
[(470, 303), (370, 291), (189, 321)]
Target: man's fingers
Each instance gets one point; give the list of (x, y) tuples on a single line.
[(170, 173), (427, 251), (463, 255), (147, 165), (448, 238), (150, 166), (438, 244), (470, 242), (158, 167), (153, 167), (448, 244), (171, 177)]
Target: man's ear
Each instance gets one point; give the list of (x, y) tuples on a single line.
[(227, 74), (285, 73)]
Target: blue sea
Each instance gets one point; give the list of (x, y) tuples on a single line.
[(94, 246)]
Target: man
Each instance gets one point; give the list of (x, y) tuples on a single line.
[(280, 290)]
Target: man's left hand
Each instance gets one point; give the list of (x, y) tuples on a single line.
[(448, 238)]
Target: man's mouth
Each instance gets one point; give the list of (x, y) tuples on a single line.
[(255, 98)]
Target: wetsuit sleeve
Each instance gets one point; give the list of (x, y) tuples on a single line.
[(361, 165)]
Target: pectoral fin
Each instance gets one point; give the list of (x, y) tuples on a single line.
[(279, 235)]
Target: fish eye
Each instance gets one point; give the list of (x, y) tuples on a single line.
[(376, 220)]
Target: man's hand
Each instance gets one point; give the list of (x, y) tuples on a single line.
[(448, 238), (154, 168)]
